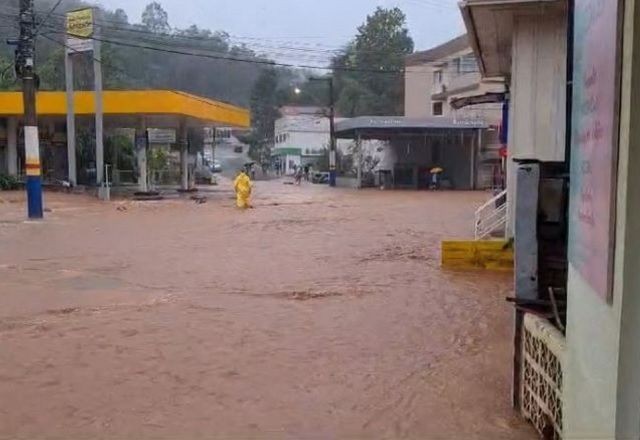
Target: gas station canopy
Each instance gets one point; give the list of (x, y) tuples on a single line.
[(162, 108)]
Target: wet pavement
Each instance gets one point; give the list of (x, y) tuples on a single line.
[(319, 314)]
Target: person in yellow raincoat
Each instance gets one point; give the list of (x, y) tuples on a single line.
[(242, 186)]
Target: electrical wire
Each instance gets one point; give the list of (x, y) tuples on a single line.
[(222, 104), (326, 49), (275, 51), (170, 46), (242, 60), (44, 20), (213, 38)]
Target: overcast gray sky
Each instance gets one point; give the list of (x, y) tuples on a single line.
[(273, 26)]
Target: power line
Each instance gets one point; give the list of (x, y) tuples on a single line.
[(322, 55), (231, 37), (67, 47), (242, 60), (175, 48), (44, 20), (226, 57), (328, 49), (171, 47)]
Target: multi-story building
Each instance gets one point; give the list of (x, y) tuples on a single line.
[(444, 82)]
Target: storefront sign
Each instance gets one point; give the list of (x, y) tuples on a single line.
[(80, 30), (161, 136), (594, 149)]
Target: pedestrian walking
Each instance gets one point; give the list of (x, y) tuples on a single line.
[(242, 186), (306, 172), (435, 173), (298, 175)]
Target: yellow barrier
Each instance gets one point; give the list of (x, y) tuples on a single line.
[(485, 254)]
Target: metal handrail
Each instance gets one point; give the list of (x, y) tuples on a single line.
[(489, 218)]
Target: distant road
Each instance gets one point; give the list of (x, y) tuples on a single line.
[(230, 160)]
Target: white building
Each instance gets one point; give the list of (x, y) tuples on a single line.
[(302, 136)]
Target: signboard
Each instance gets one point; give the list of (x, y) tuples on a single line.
[(80, 23), (161, 136), (80, 30), (594, 147), (75, 45)]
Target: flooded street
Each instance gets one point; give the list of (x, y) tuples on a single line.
[(319, 314)]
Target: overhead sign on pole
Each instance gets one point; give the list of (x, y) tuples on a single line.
[(80, 30)]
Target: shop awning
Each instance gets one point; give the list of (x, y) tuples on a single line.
[(385, 127)]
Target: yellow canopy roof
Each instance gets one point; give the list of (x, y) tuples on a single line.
[(133, 102)]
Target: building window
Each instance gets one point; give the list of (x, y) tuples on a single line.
[(437, 108), (437, 77), (468, 64), (456, 65)]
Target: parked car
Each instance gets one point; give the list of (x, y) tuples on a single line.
[(320, 177), (238, 149), (216, 166)]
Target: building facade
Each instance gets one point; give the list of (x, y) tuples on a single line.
[(301, 137), (441, 82), (574, 74)]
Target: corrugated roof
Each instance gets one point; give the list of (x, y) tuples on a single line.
[(438, 52)]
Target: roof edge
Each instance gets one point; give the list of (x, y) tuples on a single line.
[(472, 32), (437, 52)]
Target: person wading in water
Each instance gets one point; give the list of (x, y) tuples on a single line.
[(242, 186)]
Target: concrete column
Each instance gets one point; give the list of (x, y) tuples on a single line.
[(184, 155), (12, 146), (72, 171), (141, 154), (475, 149)]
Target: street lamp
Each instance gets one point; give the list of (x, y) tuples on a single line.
[(332, 131), (297, 90)]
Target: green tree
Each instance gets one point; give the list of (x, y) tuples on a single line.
[(264, 112), (155, 18), (368, 75), (7, 76)]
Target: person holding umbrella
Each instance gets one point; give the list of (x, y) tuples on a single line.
[(435, 173)]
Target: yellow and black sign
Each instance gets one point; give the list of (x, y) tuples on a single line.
[(80, 23)]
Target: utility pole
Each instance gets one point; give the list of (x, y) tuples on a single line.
[(97, 75), (332, 136), (332, 130), (25, 55)]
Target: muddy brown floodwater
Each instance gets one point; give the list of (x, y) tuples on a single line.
[(320, 314)]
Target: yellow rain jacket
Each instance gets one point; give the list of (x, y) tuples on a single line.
[(242, 186)]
